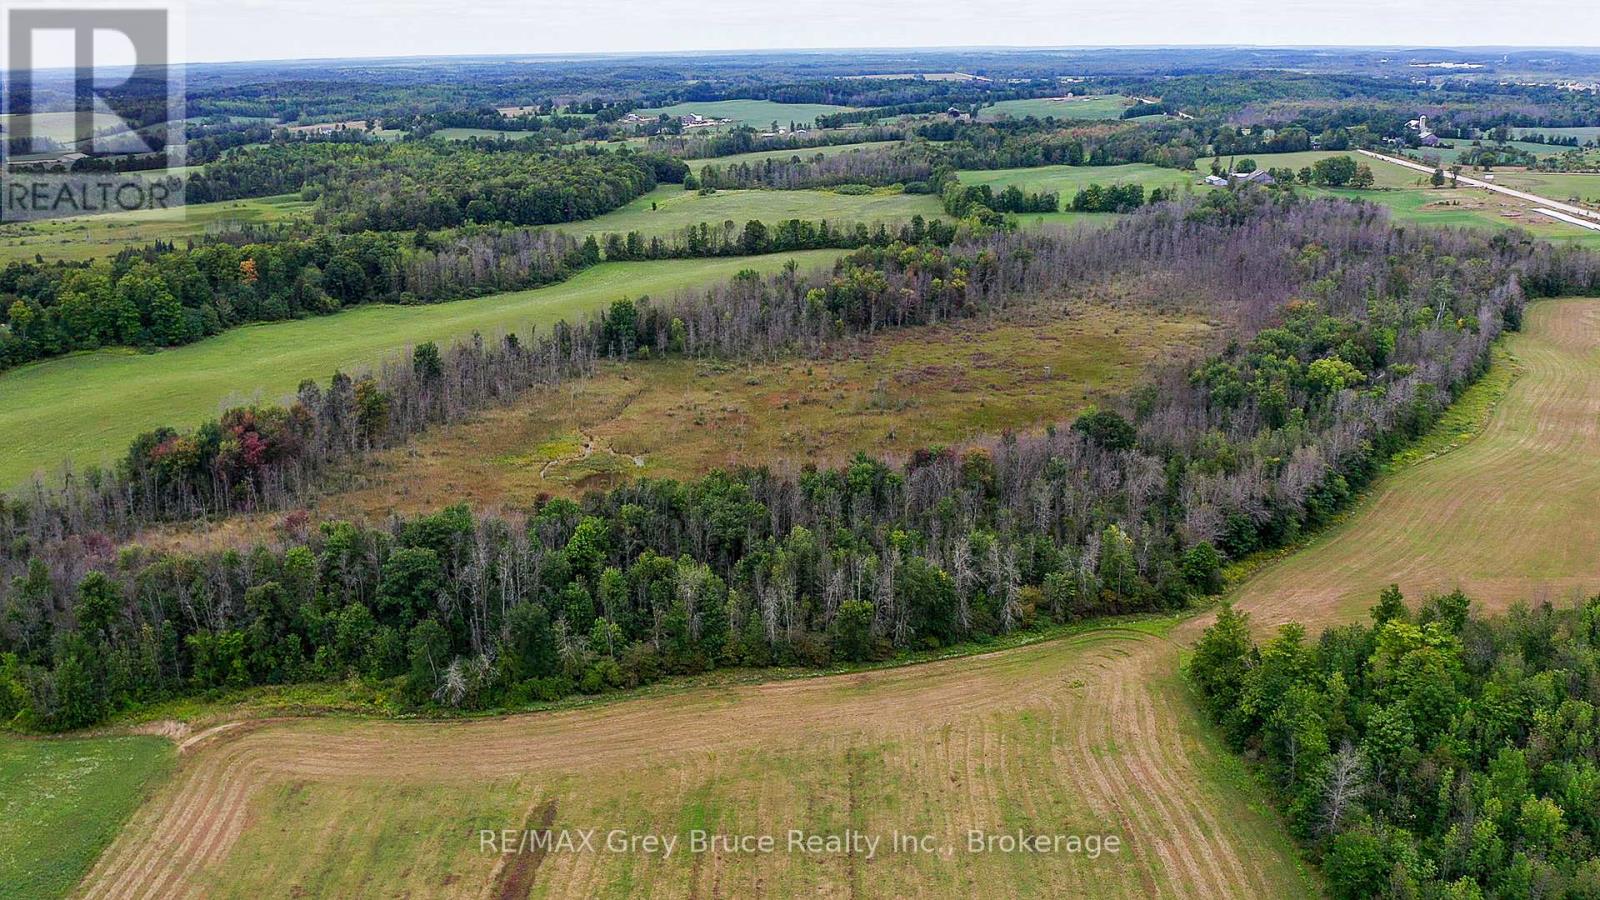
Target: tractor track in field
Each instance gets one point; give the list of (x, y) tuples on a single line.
[(1506, 516)]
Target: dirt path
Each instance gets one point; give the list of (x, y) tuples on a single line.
[(1096, 729)]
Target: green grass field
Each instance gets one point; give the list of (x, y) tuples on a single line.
[(1584, 134), (758, 114), (1068, 180), (675, 208), (60, 126), (1570, 187), (806, 153), (61, 803), (461, 134), (89, 406), (88, 237), (1078, 108)]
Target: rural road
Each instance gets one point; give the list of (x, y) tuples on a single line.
[(1566, 208)]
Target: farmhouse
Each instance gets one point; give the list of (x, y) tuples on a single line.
[(1216, 181), (1259, 176)]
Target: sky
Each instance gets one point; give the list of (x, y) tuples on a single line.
[(276, 29), (228, 30)]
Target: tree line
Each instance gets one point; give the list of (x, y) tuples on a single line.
[(401, 186), (1431, 752), (1349, 337)]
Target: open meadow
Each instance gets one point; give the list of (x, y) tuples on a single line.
[(758, 114), (989, 743), (90, 237), (896, 393), (1510, 515), (669, 208), (1109, 106), (62, 801), (88, 406)]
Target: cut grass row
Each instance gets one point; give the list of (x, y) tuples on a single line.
[(87, 407)]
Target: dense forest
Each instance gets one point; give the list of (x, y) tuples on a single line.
[(382, 186), (1349, 337), (1431, 753)]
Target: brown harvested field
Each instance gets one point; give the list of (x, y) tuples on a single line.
[(1020, 739)]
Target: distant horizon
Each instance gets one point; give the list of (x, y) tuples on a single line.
[(252, 31), (554, 55)]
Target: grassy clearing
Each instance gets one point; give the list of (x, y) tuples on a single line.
[(669, 208), (677, 418), (62, 802), (1584, 134), (1068, 180), (88, 237), (59, 126), (1508, 516), (806, 153), (755, 113), (1078, 108), (88, 406)]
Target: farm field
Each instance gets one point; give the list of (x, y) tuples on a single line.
[(1068, 180), (805, 153), (1508, 516), (759, 114), (59, 126), (89, 237), (669, 208), (88, 406), (461, 134), (912, 749), (62, 802), (678, 418), (1584, 134), (1108, 106)]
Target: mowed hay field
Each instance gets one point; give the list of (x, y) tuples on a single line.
[(1514, 514), (670, 208), (1106, 106), (89, 237), (87, 407), (754, 113), (896, 393), (1010, 741)]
